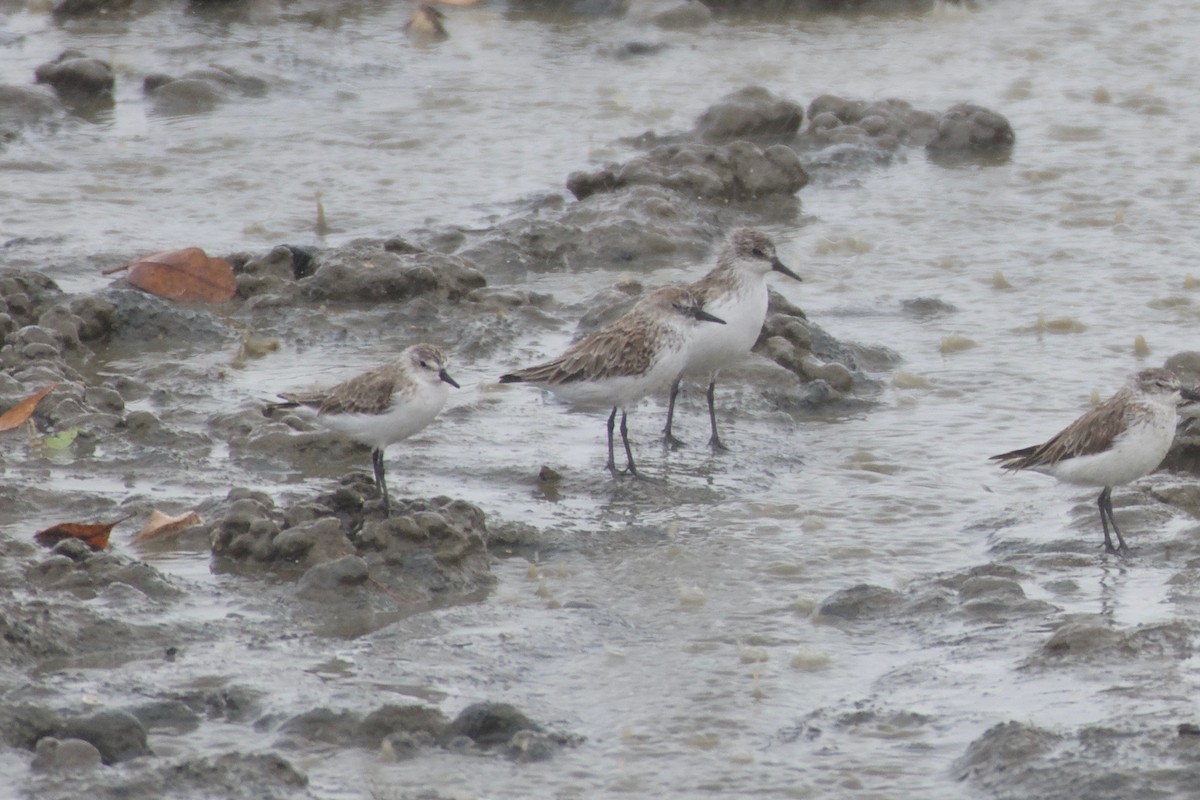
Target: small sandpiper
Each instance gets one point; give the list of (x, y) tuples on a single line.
[(638, 354), (1124, 438), (735, 291), (381, 406)]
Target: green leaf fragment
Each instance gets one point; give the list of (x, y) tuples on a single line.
[(61, 440)]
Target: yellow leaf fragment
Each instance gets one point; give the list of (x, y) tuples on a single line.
[(161, 524)]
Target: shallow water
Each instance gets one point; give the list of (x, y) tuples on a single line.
[(673, 626)]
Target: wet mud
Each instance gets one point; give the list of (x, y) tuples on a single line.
[(137, 671)]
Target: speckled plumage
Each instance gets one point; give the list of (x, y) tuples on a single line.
[(383, 405), (372, 392), (638, 354), (1118, 441), (736, 291), (634, 347)]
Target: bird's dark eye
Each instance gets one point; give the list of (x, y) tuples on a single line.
[(423, 364), (758, 253)]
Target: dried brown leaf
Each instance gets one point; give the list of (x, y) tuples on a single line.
[(161, 524), (187, 275), (94, 536), (15, 416)]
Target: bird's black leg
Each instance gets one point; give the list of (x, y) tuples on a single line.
[(380, 480), (612, 419), (625, 441), (669, 439), (1106, 517), (715, 441)]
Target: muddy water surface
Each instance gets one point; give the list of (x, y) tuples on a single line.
[(691, 631)]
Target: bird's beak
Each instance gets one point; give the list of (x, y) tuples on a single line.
[(701, 314), (446, 377), (779, 266)]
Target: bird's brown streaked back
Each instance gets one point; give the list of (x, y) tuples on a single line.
[(373, 391), (624, 348)]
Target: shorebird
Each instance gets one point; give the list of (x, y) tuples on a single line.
[(1124, 438), (736, 291), (381, 406), (638, 354)]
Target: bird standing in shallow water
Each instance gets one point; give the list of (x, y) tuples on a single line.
[(638, 354), (383, 405), (1124, 438), (735, 291)]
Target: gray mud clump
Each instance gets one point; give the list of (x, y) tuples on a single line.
[(66, 755), (968, 130), (1003, 748), (863, 601), (400, 732), (1184, 455), (364, 271), (199, 91), (840, 133), (887, 124), (24, 107), (733, 172), (339, 541), (748, 113), (51, 626), (1013, 759), (84, 84), (70, 9), (393, 277)]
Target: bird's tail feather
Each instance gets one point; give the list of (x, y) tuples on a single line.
[(1015, 459)]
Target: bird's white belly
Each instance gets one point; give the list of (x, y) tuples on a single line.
[(407, 416), (625, 389), (716, 346), (1136, 452)]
